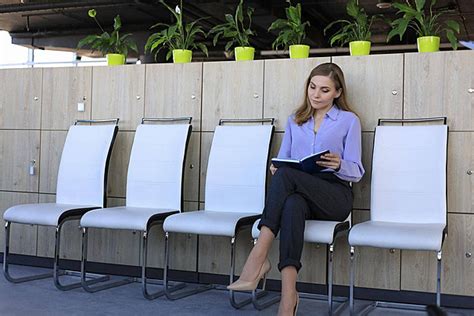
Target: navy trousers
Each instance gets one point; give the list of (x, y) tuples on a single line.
[(295, 196)]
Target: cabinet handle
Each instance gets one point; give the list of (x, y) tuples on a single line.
[(470, 90), (255, 95), (392, 250), (138, 97), (36, 98), (84, 98), (193, 96), (469, 172), (32, 168), (191, 166), (468, 255), (394, 92)]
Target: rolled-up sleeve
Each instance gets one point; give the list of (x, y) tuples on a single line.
[(351, 165), (285, 148)]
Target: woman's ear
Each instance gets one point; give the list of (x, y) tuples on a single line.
[(339, 92)]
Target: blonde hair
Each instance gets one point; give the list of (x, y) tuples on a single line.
[(305, 111)]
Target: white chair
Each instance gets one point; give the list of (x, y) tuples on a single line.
[(408, 194), (235, 191), (81, 187), (320, 232), (154, 191)]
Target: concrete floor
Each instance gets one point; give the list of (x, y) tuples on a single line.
[(42, 298)]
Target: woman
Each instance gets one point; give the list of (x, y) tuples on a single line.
[(323, 121)]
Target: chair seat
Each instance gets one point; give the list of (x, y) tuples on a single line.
[(315, 231), (208, 222), (123, 217), (48, 214), (397, 235)]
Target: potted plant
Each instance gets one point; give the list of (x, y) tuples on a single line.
[(113, 45), (178, 38), (292, 32), (355, 31), (425, 23), (235, 31)]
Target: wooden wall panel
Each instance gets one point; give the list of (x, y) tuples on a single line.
[(285, 86), (117, 176), (461, 172), (361, 189), (118, 92), (387, 273), (17, 149), (70, 242), (419, 267), (458, 258), (114, 245), (20, 100), (174, 90), (22, 237), (183, 247), (375, 86), (231, 90), (52, 144), (63, 88), (433, 87)]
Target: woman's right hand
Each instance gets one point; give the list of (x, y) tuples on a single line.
[(273, 169)]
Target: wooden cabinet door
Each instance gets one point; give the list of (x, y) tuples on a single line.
[(118, 92), (174, 90), (63, 89), (461, 172), (22, 237), (441, 84), (20, 99), (231, 90), (374, 85), (19, 149), (285, 82)]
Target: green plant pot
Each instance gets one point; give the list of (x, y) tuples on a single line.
[(428, 44), (181, 56), (115, 59), (244, 53), (359, 48), (299, 51)]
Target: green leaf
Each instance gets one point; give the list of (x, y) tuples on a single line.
[(452, 39), (420, 4), (453, 25), (352, 8), (117, 23)]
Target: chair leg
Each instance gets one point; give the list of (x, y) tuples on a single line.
[(146, 293), (86, 283), (6, 253), (232, 299), (351, 283), (172, 291), (438, 280)]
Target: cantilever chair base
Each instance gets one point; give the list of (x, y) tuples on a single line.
[(55, 274), (377, 304)]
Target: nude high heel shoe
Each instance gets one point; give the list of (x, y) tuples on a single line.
[(241, 285)]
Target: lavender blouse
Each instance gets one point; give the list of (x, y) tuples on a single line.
[(340, 132)]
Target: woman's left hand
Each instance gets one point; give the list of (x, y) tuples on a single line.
[(332, 161)]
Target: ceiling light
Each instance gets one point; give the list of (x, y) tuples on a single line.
[(384, 4)]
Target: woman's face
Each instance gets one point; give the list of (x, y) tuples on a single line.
[(322, 92)]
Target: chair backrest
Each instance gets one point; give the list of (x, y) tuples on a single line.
[(82, 171), (155, 171), (237, 168), (409, 174)]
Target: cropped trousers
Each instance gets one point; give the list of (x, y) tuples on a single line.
[(295, 196)]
